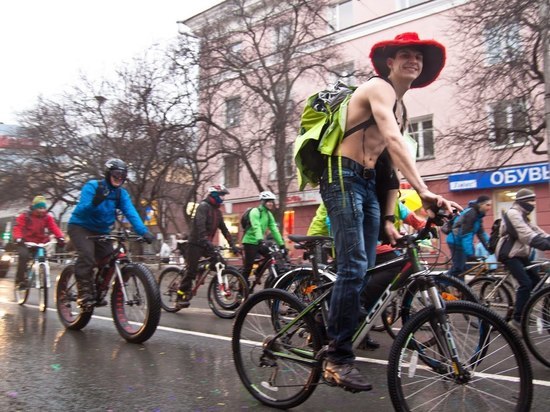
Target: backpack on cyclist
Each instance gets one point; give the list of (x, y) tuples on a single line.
[(494, 236), (245, 219), (322, 127)]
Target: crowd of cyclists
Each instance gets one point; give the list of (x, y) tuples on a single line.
[(360, 211)]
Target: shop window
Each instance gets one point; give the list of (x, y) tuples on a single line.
[(504, 198)]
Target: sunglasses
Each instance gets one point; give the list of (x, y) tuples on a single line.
[(118, 174)]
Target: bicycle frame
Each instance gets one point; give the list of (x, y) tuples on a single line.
[(216, 262), (39, 259)]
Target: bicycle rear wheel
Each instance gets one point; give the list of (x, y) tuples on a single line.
[(279, 371), (136, 318), (536, 325), (500, 300), (169, 283), (226, 298), (43, 289), (496, 376), (66, 293)]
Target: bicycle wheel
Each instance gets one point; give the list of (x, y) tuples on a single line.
[(66, 293), (500, 299), (169, 283), (302, 282), (43, 289), (536, 325), (21, 295), (224, 299), (279, 371), (496, 376), (450, 289), (137, 318)]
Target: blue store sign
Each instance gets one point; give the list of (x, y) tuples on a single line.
[(509, 176)]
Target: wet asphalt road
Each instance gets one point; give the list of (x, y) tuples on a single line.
[(186, 366)]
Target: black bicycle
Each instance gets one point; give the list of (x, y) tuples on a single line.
[(135, 297), (226, 292), (274, 263), (449, 355)]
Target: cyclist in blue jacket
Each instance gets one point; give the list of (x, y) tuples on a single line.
[(95, 214), (461, 238)]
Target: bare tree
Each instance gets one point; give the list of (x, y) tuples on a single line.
[(501, 80), (252, 56), (143, 116)]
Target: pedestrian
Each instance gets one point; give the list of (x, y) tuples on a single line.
[(208, 219), (95, 214), (261, 219), (348, 186), (34, 225), (461, 237), (519, 236)]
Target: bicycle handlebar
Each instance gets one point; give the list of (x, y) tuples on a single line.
[(33, 244)]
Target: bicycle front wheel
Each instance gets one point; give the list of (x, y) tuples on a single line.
[(169, 283), (492, 371), (224, 299), (280, 370), (137, 314), (536, 325), (21, 295), (43, 289), (66, 293)]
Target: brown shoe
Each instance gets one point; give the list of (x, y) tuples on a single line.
[(347, 376)]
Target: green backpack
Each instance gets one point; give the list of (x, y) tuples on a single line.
[(322, 127)]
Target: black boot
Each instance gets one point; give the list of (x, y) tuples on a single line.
[(86, 298)]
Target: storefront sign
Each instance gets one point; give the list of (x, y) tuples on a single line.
[(510, 176)]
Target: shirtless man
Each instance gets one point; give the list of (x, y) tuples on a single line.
[(353, 208)]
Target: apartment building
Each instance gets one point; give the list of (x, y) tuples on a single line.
[(355, 25)]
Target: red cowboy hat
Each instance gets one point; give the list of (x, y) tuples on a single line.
[(433, 52)]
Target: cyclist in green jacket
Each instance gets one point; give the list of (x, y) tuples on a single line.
[(261, 219)]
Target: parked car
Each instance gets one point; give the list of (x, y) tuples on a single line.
[(5, 262)]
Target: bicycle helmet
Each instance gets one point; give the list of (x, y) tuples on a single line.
[(219, 189), (216, 192), (115, 164), (267, 195)]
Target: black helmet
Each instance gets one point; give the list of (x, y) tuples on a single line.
[(114, 164)]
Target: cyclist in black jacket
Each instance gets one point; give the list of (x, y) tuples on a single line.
[(208, 219)]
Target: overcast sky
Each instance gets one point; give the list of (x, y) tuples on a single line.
[(46, 44)]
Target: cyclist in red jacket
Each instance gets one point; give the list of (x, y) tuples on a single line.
[(34, 225)]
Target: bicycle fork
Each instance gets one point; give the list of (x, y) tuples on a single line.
[(442, 330), (222, 280)]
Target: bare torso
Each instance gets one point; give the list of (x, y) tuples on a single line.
[(364, 147)]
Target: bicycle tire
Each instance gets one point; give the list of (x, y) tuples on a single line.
[(43, 289), (136, 320), (301, 282), (536, 325), (22, 295), (66, 294), (450, 288), (503, 301), (498, 374), (259, 358), (223, 301), (169, 283)]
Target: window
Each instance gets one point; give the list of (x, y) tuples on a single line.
[(344, 72), (404, 4), (507, 120), (235, 48), (232, 111), (503, 43), (341, 16), (289, 165), (231, 171), (282, 35), (421, 130)]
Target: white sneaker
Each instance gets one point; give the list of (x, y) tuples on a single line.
[(515, 325)]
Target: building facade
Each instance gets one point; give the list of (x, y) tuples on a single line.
[(355, 26)]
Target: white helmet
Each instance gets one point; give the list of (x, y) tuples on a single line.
[(267, 195)]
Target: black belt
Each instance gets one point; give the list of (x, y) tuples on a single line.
[(358, 168)]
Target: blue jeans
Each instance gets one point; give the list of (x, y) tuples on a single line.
[(458, 258), (355, 220), (527, 280)]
